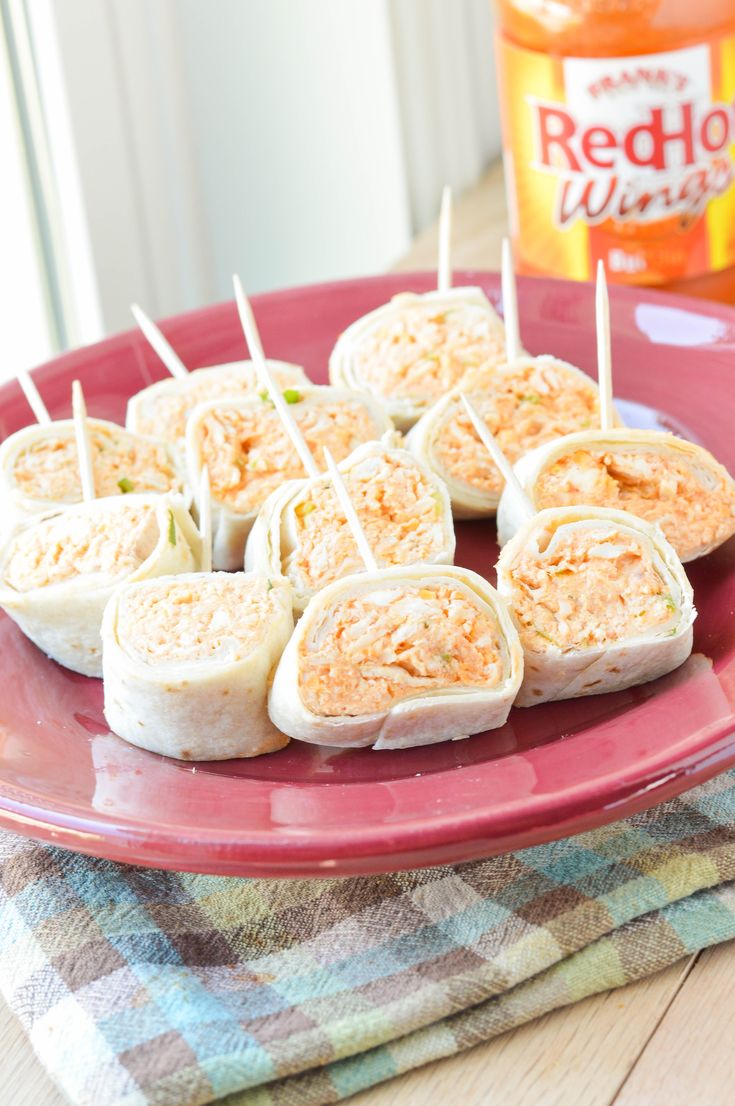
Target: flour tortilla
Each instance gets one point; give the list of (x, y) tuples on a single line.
[(16, 505), (531, 467), (469, 501), (230, 528), (342, 369), (567, 674), (441, 715), (211, 709), (273, 536), (64, 619), (144, 404)]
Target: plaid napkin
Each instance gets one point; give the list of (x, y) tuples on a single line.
[(142, 987)]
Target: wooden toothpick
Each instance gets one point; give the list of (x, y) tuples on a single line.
[(510, 304), (604, 353), (348, 507), (159, 343), (32, 394), (204, 506), (84, 449), (255, 347), (501, 461), (444, 264)]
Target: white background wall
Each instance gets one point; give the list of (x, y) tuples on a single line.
[(289, 140), (298, 139), (24, 333)]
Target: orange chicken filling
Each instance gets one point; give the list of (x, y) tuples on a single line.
[(107, 544), (397, 506), (692, 510), (49, 469), (424, 351), (526, 407), (219, 616), (589, 586), (373, 649), (165, 412), (249, 454)]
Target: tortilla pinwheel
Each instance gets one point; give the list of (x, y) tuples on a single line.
[(302, 533)]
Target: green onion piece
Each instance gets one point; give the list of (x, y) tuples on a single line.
[(291, 395), (171, 528), (125, 485)]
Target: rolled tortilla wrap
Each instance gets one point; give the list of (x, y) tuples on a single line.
[(399, 657), (58, 570), (524, 403), (39, 468), (652, 474), (302, 532), (187, 662), (411, 351), (161, 410), (249, 454), (600, 599)]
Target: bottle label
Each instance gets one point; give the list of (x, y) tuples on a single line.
[(630, 160)]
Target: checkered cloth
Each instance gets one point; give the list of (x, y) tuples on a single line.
[(144, 987)]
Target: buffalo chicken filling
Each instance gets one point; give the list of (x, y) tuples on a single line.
[(249, 453), (107, 544), (166, 410), (424, 351), (523, 407), (122, 462), (694, 511), (195, 618), (400, 511), (373, 649), (587, 587)]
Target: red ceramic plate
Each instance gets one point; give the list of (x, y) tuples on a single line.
[(306, 811)]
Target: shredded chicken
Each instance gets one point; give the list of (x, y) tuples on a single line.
[(108, 543), (589, 586), (49, 469), (376, 648), (693, 510), (195, 618), (523, 407), (399, 508), (249, 454), (166, 409), (424, 351)]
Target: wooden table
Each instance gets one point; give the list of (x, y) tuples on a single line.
[(665, 1041)]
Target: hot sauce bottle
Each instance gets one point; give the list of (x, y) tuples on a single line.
[(619, 139)]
